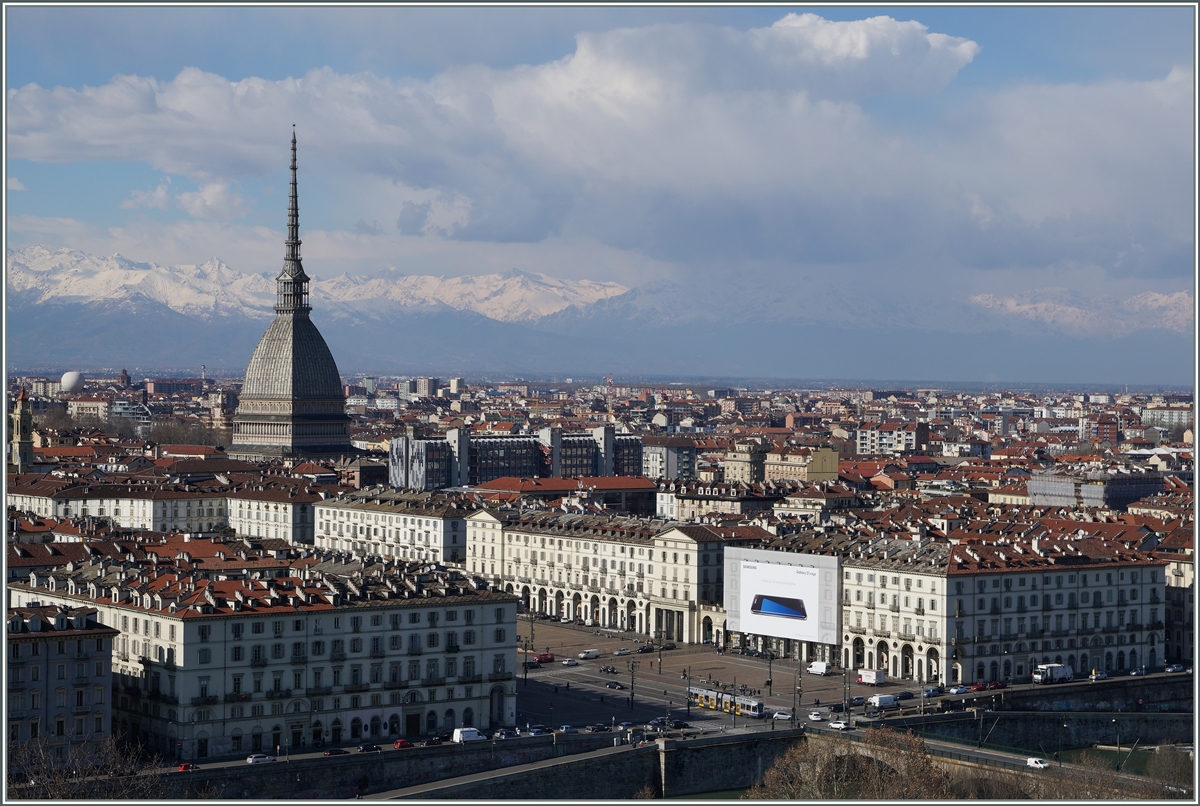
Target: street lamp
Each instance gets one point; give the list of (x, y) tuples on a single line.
[(688, 674), (770, 658), (633, 667), (797, 697)]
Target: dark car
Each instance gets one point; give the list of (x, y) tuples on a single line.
[(999, 684), (532, 664), (679, 724), (368, 748), (904, 695), (401, 744), (597, 728), (335, 751), (642, 650), (614, 684), (858, 700), (837, 707), (667, 645), (432, 741)]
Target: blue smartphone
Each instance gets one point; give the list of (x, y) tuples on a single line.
[(765, 605)]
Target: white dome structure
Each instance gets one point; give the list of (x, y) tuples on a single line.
[(71, 382)]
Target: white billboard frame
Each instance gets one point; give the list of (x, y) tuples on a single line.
[(783, 595)]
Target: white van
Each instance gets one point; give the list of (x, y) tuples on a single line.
[(589, 654), (467, 735), (820, 667), (884, 701)]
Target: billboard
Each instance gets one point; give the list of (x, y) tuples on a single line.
[(782, 595)]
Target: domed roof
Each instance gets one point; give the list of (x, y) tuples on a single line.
[(292, 362)]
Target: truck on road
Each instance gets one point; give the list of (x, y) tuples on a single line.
[(872, 677), (1053, 673)]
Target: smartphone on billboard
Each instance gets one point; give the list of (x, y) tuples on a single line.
[(766, 605)]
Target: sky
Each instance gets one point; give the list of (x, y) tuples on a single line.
[(960, 170)]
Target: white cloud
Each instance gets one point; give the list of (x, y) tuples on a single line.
[(690, 151), (12, 183), (159, 198), (213, 200), (1077, 314)]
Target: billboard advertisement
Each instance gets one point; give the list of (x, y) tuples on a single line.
[(782, 595)]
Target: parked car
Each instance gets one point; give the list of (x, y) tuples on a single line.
[(904, 695), (402, 744), (187, 766), (957, 690), (335, 751), (614, 684), (1037, 763), (570, 662), (505, 733), (369, 748), (839, 725), (1174, 668), (622, 651), (816, 716), (667, 646), (259, 758), (432, 741)]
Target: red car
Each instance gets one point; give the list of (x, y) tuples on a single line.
[(400, 744), (187, 766), (998, 685), (980, 686)]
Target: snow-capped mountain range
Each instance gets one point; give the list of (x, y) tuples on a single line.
[(38, 276)]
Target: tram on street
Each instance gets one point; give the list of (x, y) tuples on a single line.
[(727, 702)]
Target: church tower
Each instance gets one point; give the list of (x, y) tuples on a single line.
[(22, 433), (291, 406)]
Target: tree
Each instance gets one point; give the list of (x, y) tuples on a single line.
[(1172, 768), (102, 769)]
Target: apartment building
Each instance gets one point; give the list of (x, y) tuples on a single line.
[(59, 677), (648, 576), (668, 458), (891, 438), (154, 507), (926, 610), (222, 666), (801, 464), (394, 524), (275, 509)]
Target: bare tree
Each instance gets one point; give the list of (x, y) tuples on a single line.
[(102, 769), (1173, 770)]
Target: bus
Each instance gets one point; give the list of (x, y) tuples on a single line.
[(726, 702)]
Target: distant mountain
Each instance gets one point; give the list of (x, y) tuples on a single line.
[(70, 310), (37, 276)]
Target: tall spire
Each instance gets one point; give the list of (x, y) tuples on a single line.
[(292, 291)]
